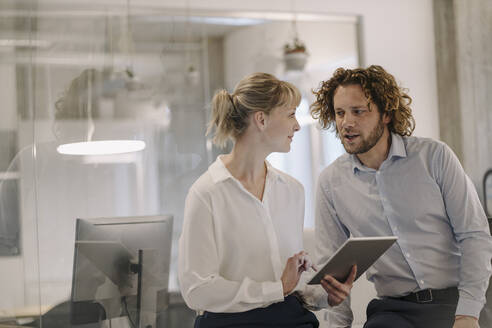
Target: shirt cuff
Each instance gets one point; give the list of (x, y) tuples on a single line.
[(273, 291), (469, 307), (315, 297)]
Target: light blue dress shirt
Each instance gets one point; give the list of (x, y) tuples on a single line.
[(422, 195)]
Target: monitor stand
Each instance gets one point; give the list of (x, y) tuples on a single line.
[(152, 293)]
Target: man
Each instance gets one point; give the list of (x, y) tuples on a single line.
[(390, 183)]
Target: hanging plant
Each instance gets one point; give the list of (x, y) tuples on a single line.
[(297, 46), (295, 53)]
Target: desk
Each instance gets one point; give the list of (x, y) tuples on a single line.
[(11, 317)]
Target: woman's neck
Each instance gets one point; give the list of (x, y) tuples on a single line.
[(246, 163)]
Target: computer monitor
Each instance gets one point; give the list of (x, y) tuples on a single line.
[(122, 265)]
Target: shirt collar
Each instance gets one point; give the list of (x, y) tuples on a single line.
[(397, 149), (219, 172)]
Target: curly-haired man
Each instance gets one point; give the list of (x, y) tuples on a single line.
[(390, 183)]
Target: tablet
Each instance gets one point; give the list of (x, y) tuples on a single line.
[(363, 251)]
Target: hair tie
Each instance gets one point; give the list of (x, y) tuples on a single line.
[(232, 102)]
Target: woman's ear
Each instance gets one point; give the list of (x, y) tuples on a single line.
[(260, 120)]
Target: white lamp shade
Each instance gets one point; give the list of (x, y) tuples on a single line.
[(103, 147)]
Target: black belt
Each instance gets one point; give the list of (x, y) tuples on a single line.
[(432, 296)]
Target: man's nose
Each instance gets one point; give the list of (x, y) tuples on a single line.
[(348, 121)]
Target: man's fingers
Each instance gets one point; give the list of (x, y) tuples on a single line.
[(351, 277), (334, 290), (332, 281), (337, 291)]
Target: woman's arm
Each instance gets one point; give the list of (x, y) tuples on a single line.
[(202, 286)]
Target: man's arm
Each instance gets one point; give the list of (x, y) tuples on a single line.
[(471, 230), (330, 233)]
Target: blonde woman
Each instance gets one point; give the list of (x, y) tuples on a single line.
[(240, 252)]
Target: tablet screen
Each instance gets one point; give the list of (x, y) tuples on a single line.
[(363, 251)]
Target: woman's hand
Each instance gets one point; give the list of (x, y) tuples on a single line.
[(295, 266), (337, 291)]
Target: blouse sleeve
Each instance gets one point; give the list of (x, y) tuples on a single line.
[(202, 286)]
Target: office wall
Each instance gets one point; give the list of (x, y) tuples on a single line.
[(463, 34), (259, 48), (395, 34)]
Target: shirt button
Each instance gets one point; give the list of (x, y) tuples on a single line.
[(407, 254), (422, 282)]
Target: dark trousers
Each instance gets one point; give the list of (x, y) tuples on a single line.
[(390, 313), (289, 314)]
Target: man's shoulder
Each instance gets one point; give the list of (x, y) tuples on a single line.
[(422, 144), (342, 165)]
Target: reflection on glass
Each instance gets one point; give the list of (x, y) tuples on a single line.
[(151, 72)]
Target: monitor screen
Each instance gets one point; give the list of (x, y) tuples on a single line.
[(121, 269)]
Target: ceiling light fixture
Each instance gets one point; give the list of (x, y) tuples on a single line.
[(103, 147)]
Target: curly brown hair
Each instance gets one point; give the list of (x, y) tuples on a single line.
[(379, 86)]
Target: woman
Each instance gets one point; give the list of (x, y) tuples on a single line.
[(240, 252)]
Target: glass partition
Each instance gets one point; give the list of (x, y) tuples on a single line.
[(75, 74)]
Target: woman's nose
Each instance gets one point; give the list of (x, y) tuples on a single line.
[(297, 127)]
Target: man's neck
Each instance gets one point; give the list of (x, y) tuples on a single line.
[(377, 154)]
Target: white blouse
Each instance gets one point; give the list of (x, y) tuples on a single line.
[(234, 247)]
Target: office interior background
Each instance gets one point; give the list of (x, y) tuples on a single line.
[(151, 68)]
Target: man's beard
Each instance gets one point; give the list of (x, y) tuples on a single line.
[(366, 143)]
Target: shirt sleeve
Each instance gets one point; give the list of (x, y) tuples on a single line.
[(471, 230), (202, 286), (330, 234)]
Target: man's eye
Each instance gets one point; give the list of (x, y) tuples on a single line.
[(339, 113)]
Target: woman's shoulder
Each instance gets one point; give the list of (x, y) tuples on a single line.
[(203, 185), (288, 179)]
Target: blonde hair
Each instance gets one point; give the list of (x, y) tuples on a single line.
[(379, 86), (258, 92)]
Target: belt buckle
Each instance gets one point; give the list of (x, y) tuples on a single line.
[(424, 296)]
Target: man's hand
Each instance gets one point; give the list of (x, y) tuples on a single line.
[(464, 321), (337, 291)]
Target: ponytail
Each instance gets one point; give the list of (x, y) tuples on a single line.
[(221, 111), (254, 93)]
